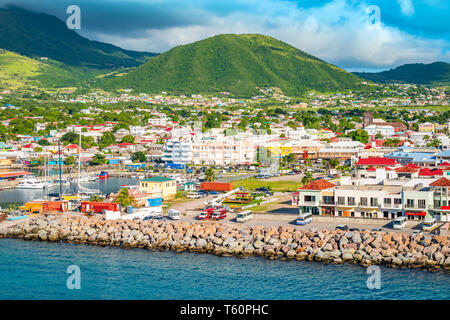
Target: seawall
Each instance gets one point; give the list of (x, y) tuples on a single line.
[(394, 249)]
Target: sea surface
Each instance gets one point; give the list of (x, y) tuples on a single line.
[(38, 270), (20, 196)]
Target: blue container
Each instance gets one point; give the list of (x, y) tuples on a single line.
[(155, 202), (130, 209)]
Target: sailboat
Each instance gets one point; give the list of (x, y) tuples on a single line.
[(83, 191)]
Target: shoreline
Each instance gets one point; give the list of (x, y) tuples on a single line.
[(284, 242)]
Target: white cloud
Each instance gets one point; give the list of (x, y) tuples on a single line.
[(337, 32), (406, 7)]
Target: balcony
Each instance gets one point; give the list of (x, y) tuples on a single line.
[(309, 203)]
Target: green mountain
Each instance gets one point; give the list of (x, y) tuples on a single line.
[(418, 73), (20, 72), (41, 35), (237, 64)]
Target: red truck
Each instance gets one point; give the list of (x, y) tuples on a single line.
[(216, 186), (203, 215), (219, 214)]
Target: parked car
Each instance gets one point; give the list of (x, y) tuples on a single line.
[(219, 214), (173, 214), (377, 229), (343, 227), (203, 215), (354, 229), (416, 232)]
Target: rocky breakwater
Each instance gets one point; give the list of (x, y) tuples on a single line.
[(329, 246)]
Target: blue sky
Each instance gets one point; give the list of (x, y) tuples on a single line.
[(336, 31)]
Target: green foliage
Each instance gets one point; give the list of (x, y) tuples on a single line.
[(359, 135), (237, 64), (70, 160), (419, 73), (106, 140), (98, 159), (127, 139), (138, 156), (124, 198)]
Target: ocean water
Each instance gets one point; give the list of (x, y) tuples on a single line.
[(38, 270)]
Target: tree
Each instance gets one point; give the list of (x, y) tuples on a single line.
[(434, 144), (138, 156), (359, 135), (379, 136), (307, 178), (210, 176), (128, 139), (70, 137), (43, 142), (124, 198), (98, 159), (38, 149), (70, 160), (107, 139)]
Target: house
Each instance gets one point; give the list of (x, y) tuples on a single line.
[(166, 186), (426, 127)]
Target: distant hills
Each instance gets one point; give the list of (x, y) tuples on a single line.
[(418, 73), (41, 35), (237, 64)]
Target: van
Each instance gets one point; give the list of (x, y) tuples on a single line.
[(429, 224), (194, 195), (399, 223), (244, 216), (304, 218), (173, 214)]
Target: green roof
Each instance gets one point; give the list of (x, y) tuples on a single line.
[(157, 179)]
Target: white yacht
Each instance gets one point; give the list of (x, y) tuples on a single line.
[(31, 183)]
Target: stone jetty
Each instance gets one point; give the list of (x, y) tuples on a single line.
[(394, 249)]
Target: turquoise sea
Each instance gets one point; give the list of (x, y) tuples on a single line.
[(37, 270)]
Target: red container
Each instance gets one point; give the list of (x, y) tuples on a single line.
[(98, 207), (216, 186), (60, 206)]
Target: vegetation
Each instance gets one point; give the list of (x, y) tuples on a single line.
[(237, 64), (418, 73), (279, 186)]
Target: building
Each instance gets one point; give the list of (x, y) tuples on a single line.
[(367, 118), (385, 131), (427, 127), (177, 152), (166, 186)]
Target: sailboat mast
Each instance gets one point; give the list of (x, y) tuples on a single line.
[(79, 166), (60, 177)]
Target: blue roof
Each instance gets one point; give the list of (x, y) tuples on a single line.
[(445, 153)]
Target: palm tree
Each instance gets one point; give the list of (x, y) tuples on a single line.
[(307, 178), (124, 198), (210, 176), (96, 198)]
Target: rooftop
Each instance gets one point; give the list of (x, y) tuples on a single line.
[(157, 179)]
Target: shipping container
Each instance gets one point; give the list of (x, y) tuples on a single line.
[(216, 186), (88, 206), (60, 206), (155, 202)]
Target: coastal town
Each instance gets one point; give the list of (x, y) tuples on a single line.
[(346, 161)]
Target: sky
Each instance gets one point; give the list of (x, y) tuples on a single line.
[(357, 35)]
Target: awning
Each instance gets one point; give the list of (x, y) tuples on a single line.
[(409, 213), (421, 214), (445, 208)]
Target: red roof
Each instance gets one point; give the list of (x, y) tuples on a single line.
[(72, 146), (374, 161), (428, 172), (318, 185), (372, 169), (406, 169), (412, 165), (124, 144), (442, 182), (444, 164)]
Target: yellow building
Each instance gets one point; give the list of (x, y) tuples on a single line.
[(277, 150), (426, 127), (167, 187)]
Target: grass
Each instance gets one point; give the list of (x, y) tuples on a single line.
[(280, 186)]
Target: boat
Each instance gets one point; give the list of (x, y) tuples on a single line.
[(31, 183), (103, 175)]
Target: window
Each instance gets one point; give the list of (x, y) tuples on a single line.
[(387, 201), (351, 201), (364, 201), (397, 201), (328, 200), (410, 203), (373, 202), (310, 198), (421, 204), (341, 201)]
